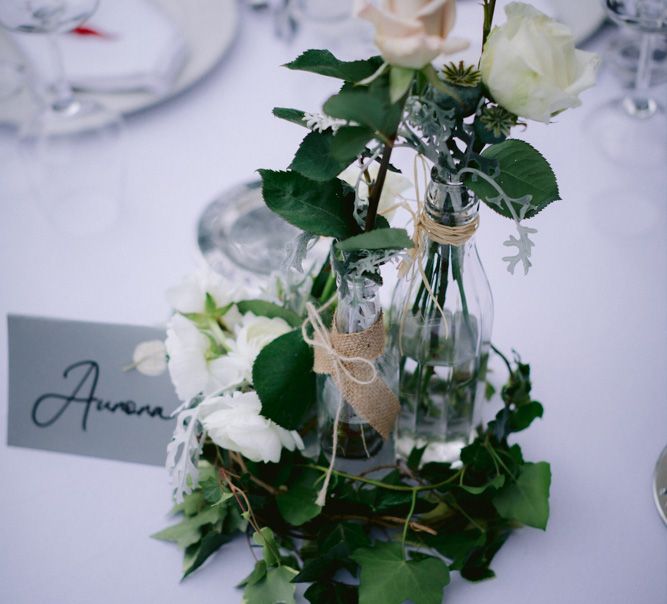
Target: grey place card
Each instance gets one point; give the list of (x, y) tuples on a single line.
[(68, 390)]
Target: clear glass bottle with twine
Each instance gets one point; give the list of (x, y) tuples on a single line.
[(357, 380), (441, 319)]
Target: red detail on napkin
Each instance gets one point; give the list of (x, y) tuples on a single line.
[(84, 30)]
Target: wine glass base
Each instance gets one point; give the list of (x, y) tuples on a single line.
[(74, 165), (629, 133)]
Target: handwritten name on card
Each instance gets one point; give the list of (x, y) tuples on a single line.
[(70, 391)]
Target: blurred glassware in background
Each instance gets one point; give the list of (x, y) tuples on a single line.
[(70, 145), (623, 52), (12, 78), (241, 238), (631, 130)]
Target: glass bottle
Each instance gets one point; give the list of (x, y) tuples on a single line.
[(443, 335), (360, 446)]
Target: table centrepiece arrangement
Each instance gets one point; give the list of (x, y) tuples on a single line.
[(342, 440)]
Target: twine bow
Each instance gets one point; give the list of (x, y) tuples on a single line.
[(348, 357)]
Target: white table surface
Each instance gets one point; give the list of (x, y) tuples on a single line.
[(591, 318)]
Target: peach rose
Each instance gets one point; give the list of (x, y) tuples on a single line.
[(411, 33)]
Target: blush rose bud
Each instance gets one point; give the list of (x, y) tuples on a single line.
[(411, 33)]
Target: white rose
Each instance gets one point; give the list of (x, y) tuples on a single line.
[(531, 66), (234, 422), (411, 33), (190, 295), (191, 370), (252, 335), (394, 185)]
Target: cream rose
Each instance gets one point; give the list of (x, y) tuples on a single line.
[(531, 66), (234, 422), (411, 33)]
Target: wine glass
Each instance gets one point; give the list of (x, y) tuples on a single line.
[(70, 145), (632, 129)]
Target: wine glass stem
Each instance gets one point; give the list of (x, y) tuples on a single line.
[(63, 96), (639, 103)]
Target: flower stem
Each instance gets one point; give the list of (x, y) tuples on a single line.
[(374, 197), (489, 9)]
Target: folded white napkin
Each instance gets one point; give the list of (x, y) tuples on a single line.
[(141, 49)]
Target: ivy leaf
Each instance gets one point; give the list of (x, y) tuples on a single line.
[(524, 416), (297, 505), (198, 553), (267, 541), (457, 546), (495, 483), (326, 64), (257, 574), (315, 158), (262, 308), (522, 171), (527, 499), (188, 531), (377, 239), (284, 379), (291, 115), (321, 208), (386, 578), (274, 588), (332, 592)]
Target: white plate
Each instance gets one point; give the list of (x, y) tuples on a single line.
[(209, 27)]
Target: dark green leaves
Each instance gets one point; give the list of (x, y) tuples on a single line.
[(326, 64), (370, 106), (377, 239), (315, 158), (386, 578), (522, 171), (297, 504), (262, 308), (291, 115), (321, 208), (527, 499), (284, 379)]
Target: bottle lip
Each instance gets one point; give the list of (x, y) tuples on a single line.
[(436, 196)]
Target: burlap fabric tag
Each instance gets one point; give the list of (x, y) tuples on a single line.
[(359, 382)]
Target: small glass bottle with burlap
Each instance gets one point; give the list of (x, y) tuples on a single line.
[(441, 318), (357, 382)]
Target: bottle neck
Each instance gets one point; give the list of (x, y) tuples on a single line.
[(358, 304), (451, 204)]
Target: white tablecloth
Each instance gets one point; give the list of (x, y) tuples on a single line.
[(591, 318)]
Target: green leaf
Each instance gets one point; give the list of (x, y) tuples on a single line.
[(524, 416), (297, 505), (274, 588), (415, 457), (400, 80), (257, 574), (188, 531), (291, 115), (457, 546), (267, 541), (315, 159), (262, 308), (350, 141), (523, 171), (496, 483), (377, 239), (198, 553), (321, 208), (332, 592), (527, 499), (284, 379), (369, 106), (386, 578), (326, 64)]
